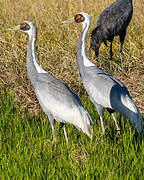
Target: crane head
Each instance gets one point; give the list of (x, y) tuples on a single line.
[(78, 18), (25, 26)]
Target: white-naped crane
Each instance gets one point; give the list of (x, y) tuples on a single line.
[(104, 90), (57, 100), (113, 21)]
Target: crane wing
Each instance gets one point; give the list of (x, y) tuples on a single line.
[(99, 84), (57, 98), (55, 87)]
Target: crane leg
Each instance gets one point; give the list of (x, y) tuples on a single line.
[(102, 124), (64, 129), (113, 116), (53, 133), (111, 53), (99, 110), (51, 119), (122, 38)]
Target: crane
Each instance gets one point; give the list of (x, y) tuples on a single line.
[(57, 100), (113, 21), (104, 90)]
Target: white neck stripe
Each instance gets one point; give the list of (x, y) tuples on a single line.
[(87, 62), (37, 66)]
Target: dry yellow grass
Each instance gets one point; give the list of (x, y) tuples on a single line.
[(56, 46)]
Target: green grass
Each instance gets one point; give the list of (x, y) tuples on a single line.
[(27, 151)]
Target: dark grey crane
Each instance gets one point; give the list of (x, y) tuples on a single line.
[(104, 90), (113, 21), (57, 100)]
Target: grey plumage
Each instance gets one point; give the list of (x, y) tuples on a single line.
[(113, 21), (57, 100), (104, 90)]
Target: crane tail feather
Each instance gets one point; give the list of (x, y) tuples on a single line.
[(90, 129), (87, 128), (128, 108), (134, 115)]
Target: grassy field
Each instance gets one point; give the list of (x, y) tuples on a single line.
[(26, 150)]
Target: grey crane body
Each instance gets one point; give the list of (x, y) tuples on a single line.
[(113, 21), (57, 100), (104, 90)]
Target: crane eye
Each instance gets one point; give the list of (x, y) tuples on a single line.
[(79, 18), (24, 26)]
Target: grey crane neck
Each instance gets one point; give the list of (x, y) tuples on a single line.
[(33, 68), (80, 60)]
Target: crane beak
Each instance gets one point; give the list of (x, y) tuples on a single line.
[(68, 21), (13, 28)]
